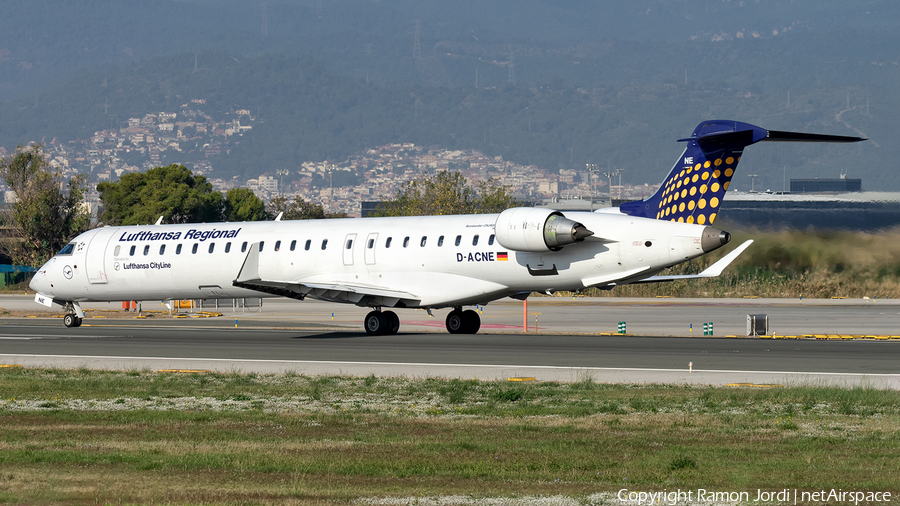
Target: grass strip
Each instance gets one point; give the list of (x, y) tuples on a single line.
[(84, 436)]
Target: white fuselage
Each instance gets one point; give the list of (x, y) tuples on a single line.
[(418, 256)]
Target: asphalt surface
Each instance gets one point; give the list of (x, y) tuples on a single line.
[(269, 344)]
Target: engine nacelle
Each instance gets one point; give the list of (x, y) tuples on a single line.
[(537, 230)]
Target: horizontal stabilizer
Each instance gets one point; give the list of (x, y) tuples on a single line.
[(776, 136)]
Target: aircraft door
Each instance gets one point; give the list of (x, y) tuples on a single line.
[(95, 263), (349, 244), (371, 242)]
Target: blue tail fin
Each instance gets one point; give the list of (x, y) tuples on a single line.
[(694, 189)]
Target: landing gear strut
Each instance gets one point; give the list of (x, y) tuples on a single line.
[(463, 322), (382, 323)]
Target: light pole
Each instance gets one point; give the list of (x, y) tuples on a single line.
[(619, 194), (609, 176), (592, 169), (331, 168), (281, 174)]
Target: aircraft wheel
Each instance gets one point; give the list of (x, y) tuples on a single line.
[(78, 321), (456, 323), (393, 322), (376, 323), (472, 321), (70, 320)]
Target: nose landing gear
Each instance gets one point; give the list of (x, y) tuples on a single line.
[(74, 315), (70, 320)]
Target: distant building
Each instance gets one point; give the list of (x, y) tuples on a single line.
[(826, 185), (368, 208)]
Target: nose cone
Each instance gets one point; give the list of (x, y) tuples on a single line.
[(713, 238), (39, 282)]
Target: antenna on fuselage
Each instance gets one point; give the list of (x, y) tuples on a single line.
[(159, 221), (278, 218)]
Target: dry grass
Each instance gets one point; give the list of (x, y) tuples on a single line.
[(790, 264)]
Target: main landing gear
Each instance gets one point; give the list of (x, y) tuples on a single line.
[(379, 323), (463, 322), (382, 323)]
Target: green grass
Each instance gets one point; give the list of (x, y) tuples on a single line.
[(80, 436)]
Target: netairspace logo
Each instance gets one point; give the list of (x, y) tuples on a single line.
[(783, 496)]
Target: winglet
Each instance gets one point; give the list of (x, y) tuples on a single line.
[(250, 270)]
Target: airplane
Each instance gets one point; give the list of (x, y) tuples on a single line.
[(424, 262)]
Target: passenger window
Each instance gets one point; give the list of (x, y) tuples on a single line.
[(212, 246), (440, 241), (422, 243), (491, 240), (244, 247), (131, 251), (277, 245), (146, 250), (371, 243), (194, 249), (261, 244), (227, 247), (475, 240), (115, 251), (349, 243), (308, 243), (162, 249), (387, 243), (324, 243), (178, 249), (406, 241), (293, 245), (458, 239)]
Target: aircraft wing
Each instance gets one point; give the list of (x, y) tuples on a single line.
[(249, 278), (710, 272)]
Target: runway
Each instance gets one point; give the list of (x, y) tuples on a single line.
[(264, 345)]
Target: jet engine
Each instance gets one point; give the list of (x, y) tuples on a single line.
[(537, 230)]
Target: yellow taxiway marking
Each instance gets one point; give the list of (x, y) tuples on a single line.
[(184, 370), (521, 379)]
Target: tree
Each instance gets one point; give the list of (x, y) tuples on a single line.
[(296, 209), (172, 192), (44, 217), (447, 193), (241, 204)]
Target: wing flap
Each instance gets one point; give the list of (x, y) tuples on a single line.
[(249, 278)]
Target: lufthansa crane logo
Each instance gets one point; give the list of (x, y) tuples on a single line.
[(67, 272)]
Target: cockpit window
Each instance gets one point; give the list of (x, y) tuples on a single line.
[(67, 249)]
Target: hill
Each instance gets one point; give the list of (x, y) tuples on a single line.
[(329, 79)]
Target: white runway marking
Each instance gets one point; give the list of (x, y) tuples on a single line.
[(435, 364)]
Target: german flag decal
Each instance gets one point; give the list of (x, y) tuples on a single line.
[(501, 256)]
